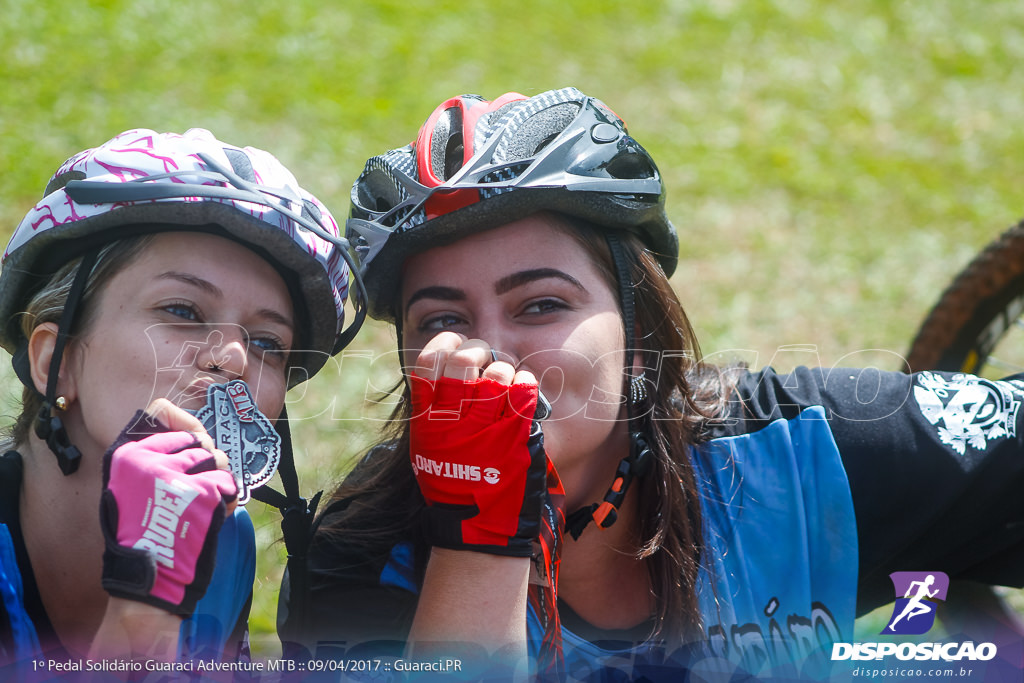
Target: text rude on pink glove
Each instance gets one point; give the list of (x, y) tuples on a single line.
[(163, 504)]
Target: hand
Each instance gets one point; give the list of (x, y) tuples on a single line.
[(476, 452), (166, 494)]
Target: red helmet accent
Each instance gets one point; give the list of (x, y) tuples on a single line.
[(477, 164), (435, 141)]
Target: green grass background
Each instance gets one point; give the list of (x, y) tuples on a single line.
[(829, 165)]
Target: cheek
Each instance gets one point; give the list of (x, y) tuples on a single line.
[(603, 390), (120, 371), (589, 370), (582, 389), (111, 388), (270, 396)]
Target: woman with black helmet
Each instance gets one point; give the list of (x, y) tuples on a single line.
[(654, 514), (160, 276)]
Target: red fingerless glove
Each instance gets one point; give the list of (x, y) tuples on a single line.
[(164, 501), (479, 464)]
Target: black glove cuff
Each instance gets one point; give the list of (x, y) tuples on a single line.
[(443, 529), (129, 573)]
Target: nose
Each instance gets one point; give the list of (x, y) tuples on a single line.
[(225, 352), (503, 346)]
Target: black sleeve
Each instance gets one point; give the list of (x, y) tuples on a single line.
[(236, 649), (348, 609), (935, 464)]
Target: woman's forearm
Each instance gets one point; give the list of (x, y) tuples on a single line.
[(135, 630), (472, 599)]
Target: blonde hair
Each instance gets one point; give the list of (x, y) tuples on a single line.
[(47, 306)]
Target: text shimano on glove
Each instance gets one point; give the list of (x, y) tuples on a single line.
[(480, 466)]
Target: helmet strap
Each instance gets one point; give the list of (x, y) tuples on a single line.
[(297, 516), (638, 462), (49, 427)]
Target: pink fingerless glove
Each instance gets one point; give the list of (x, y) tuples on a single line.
[(163, 504)]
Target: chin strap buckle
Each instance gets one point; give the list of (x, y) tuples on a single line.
[(637, 464), (50, 428)]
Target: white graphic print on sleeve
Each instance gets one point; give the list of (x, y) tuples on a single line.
[(969, 410)]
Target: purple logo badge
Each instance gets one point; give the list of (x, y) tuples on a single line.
[(917, 594)]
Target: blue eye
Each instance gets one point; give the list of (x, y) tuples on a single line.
[(184, 310), (267, 343)]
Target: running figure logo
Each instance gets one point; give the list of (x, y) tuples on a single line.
[(914, 613)]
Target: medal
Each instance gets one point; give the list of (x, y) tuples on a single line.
[(238, 428)]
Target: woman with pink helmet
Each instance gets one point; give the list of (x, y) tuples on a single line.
[(158, 302)]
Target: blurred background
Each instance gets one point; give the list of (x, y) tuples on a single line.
[(830, 165)]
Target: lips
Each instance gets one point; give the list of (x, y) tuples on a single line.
[(193, 396)]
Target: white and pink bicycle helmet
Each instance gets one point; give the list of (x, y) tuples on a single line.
[(142, 182)]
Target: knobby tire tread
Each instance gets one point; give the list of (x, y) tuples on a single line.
[(981, 291)]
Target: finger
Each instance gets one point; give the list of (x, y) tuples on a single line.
[(431, 360), (499, 372), (222, 480), (179, 420), (468, 361), (220, 458), (524, 377), (207, 461), (214, 468), (522, 395), (226, 484)]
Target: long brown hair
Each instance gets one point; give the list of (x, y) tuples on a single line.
[(684, 397)]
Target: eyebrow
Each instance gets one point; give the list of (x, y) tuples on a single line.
[(437, 292), (192, 280), (502, 286), (268, 314), (510, 282)]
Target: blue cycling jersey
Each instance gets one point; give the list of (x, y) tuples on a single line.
[(779, 495), (220, 616), (815, 486)]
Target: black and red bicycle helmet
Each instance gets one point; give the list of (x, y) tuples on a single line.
[(478, 164)]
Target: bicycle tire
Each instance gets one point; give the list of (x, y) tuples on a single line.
[(976, 311), (972, 318)]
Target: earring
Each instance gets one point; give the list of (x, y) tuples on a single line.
[(61, 403), (638, 389)]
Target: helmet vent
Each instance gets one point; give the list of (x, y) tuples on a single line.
[(630, 166), (61, 180), (446, 144), (539, 130), (378, 191), (240, 164), (545, 142), (454, 153)]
